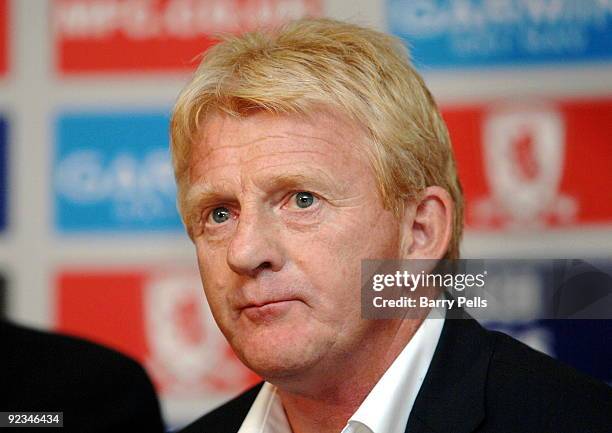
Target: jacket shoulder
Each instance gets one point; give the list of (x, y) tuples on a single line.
[(226, 418), (524, 384), (44, 358), (96, 387)]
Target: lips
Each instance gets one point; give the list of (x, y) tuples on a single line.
[(258, 304), (251, 296), (267, 311)]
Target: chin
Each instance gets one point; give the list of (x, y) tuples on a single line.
[(275, 367), (278, 354)]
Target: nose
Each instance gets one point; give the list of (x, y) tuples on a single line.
[(254, 246)]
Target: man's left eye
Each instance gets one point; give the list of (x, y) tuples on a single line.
[(304, 199)]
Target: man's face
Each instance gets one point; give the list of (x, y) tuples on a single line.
[(289, 207)]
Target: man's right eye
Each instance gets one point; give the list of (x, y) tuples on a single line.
[(219, 215)]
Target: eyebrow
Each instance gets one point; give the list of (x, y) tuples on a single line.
[(198, 195), (283, 180)]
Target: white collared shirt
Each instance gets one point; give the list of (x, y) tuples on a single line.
[(385, 409)]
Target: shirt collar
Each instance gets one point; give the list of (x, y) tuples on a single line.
[(385, 409), (266, 414)]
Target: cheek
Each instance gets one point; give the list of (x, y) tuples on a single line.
[(369, 233), (213, 272), (212, 258), (331, 257)]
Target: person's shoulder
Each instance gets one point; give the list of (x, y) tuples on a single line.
[(90, 383), (227, 417), (65, 354), (512, 359), (530, 385)]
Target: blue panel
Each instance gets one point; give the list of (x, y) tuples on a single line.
[(585, 344), (582, 343), (466, 33), (112, 173)]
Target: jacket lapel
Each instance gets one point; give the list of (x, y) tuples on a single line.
[(452, 397)]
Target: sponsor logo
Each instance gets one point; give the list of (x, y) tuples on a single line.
[(158, 35), (113, 173), (528, 165), (449, 33), (524, 150), (178, 321), (161, 319)]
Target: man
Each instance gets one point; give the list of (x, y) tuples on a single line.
[(97, 389), (297, 154)]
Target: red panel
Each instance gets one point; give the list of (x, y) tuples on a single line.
[(534, 164), (4, 36), (159, 35), (160, 319), (588, 172), (104, 307)]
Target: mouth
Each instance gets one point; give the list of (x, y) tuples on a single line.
[(268, 311)]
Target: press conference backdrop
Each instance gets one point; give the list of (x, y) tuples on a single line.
[(91, 243)]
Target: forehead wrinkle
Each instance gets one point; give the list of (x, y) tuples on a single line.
[(356, 148), (284, 144), (224, 145), (201, 171), (256, 140), (331, 143), (306, 140), (242, 158), (304, 175), (284, 152), (208, 149)]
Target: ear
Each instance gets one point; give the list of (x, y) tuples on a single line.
[(427, 225)]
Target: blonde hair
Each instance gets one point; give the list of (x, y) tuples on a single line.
[(364, 73)]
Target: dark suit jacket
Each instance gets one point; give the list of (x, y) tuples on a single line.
[(480, 381), (98, 389)]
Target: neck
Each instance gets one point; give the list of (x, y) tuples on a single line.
[(323, 401)]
